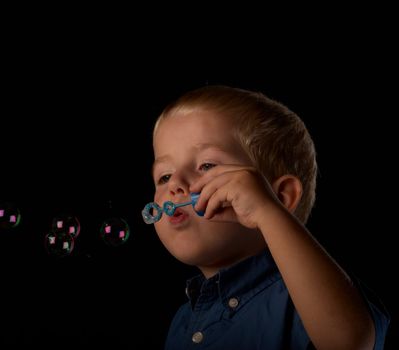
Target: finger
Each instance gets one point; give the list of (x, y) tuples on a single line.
[(206, 177), (210, 188), (226, 214), (217, 203), (212, 173)]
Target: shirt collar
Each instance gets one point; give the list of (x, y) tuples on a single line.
[(241, 281)]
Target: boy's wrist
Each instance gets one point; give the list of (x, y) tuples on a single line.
[(269, 215)]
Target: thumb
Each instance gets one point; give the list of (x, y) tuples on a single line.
[(226, 214)]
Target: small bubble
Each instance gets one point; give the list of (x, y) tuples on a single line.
[(115, 231), (10, 216), (59, 244), (66, 224)]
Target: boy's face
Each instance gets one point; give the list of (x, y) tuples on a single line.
[(185, 147)]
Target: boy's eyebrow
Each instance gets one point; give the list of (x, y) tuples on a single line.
[(159, 160), (199, 146), (203, 146)]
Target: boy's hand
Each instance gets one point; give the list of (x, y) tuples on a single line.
[(234, 193)]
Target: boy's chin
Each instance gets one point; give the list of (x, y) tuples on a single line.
[(189, 259), (202, 258), (193, 257)]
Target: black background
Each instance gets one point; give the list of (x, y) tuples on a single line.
[(76, 127)]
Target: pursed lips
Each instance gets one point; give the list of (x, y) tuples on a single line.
[(178, 217)]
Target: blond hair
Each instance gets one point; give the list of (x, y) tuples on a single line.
[(274, 137)]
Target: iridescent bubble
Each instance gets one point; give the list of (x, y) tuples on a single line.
[(10, 216), (66, 224), (59, 244), (115, 231)]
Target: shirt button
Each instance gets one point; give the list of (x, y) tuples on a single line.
[(198, 337), (233, 303)]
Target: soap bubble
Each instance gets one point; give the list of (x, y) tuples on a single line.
[(59, 244), (10, 216), (115, 231), (66, 224)]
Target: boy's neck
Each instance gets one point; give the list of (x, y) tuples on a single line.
[(212, 270)]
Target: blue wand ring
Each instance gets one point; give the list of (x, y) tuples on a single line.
[(152, 212)]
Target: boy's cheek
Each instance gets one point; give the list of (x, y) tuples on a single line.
[(159, 193)]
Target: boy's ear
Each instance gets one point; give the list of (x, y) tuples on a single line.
[(288, 189)]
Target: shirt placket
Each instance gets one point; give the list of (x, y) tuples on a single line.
[(203, 315)]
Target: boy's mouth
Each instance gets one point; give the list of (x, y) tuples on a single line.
[(178, 217)]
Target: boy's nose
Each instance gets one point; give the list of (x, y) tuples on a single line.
[(178, 187)]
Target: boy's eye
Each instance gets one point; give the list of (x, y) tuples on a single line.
[(164, 179), (206, 166)]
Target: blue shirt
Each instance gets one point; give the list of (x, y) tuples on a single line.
[(246, 306)]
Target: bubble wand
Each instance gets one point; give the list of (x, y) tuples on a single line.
[(152, 212)]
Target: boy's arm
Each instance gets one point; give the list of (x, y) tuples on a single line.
[(332, 310)]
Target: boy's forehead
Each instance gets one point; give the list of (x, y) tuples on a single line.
[(162, 150), (199, 127), (197, 136), (195, 133)]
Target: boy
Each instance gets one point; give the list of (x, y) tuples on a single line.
[(266, 283)]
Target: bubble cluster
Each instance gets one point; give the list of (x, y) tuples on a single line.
[(60, 241), (63, 230)]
